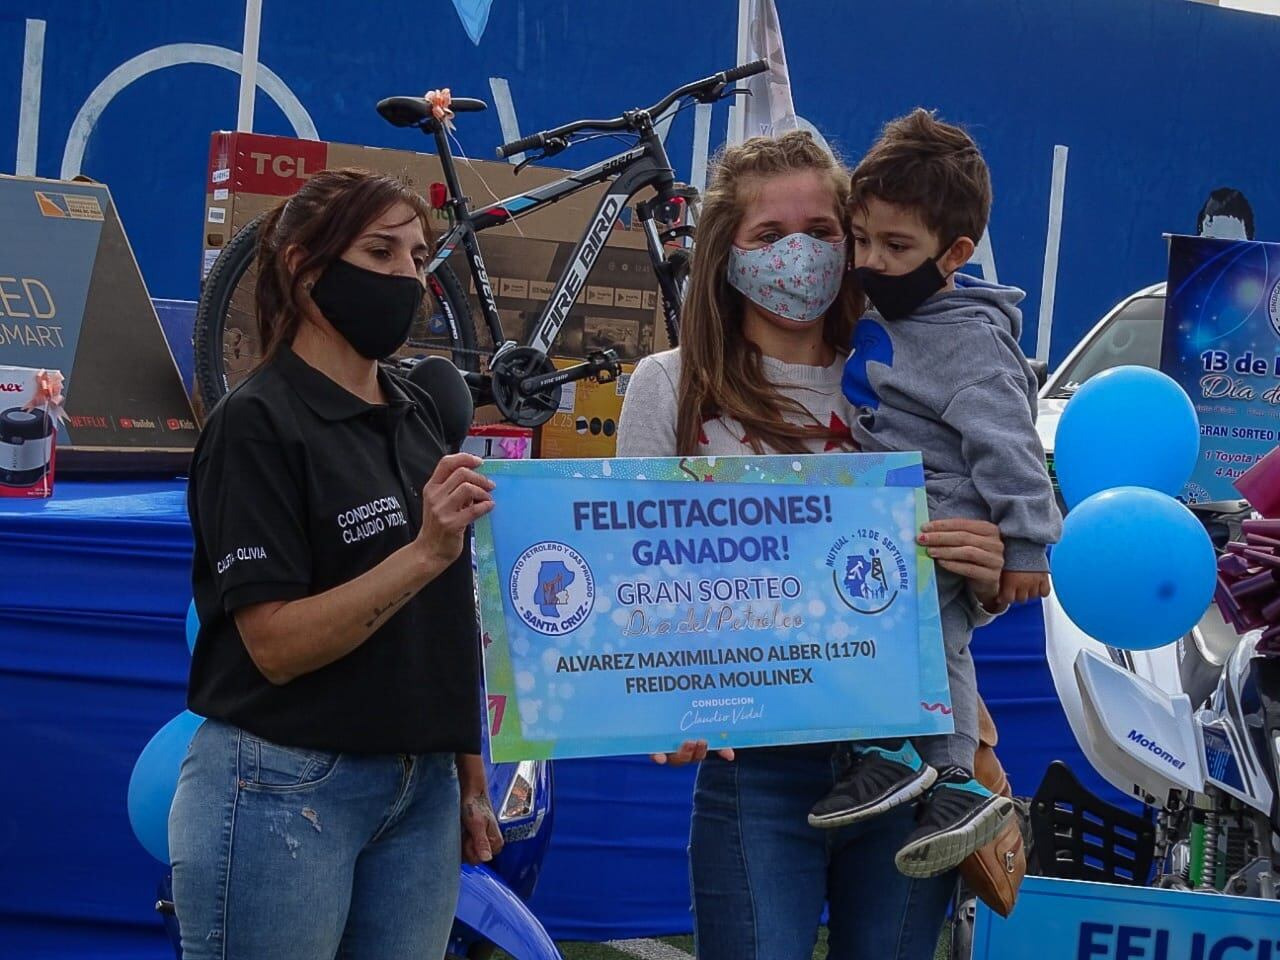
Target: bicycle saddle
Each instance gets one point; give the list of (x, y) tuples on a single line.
[(412, 111)]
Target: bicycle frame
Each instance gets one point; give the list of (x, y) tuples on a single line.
[(645, 165)]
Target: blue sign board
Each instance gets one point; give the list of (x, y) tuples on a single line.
[(1072, 920), (631, 604)]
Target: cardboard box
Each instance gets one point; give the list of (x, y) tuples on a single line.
[(29, 414), (586, 424), (72, 299), (250, 173)]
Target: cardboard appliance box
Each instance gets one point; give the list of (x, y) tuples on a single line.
[(29, 417), (586, 424)]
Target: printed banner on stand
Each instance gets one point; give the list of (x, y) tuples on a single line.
[(72, 299), (631, 604), (1073, 920), (1222, 345)]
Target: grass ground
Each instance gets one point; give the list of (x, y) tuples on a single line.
[(603, 951)]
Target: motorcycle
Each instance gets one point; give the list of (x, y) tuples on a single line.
[(1191, 730)]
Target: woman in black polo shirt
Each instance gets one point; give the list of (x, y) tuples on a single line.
[(317, 812)]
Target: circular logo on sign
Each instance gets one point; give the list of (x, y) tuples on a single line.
[(1273, 308), (868, 571), (552, 588)]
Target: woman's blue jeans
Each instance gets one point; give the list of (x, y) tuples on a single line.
[(289, 853), (760, 874)]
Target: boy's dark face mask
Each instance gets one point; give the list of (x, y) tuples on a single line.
[(895, 297)]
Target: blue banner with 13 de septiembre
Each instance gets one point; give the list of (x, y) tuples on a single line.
[(1221, 343), (629, 605)]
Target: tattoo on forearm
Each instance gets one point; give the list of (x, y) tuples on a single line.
[(380, 613), (478, 804)]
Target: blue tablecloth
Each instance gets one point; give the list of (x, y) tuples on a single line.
[(94, 585)]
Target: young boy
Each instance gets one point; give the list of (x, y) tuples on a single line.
[(936, 367)]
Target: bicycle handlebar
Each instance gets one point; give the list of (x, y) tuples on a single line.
[(519, 146), (742, 71), (628, 120)]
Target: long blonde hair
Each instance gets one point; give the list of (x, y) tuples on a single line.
[(721, 371)]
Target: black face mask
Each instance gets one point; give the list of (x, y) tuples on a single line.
[(373, 311), (898, 297)]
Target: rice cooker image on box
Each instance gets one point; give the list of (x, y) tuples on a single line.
[(26, 446)]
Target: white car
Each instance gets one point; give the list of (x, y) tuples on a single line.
[(1130, 333)]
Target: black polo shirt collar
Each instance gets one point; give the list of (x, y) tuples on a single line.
[(329, 400)]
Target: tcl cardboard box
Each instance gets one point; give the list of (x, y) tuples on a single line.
[(250, 173), (586, 423)]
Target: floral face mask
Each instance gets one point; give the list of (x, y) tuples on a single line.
[(797, 277)]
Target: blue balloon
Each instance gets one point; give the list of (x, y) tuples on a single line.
[(193, 626), (1126, 427), (155, 781), (1134, 569)]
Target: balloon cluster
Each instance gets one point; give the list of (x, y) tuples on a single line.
[(155, 775), (1248, 592), (1134, 569)]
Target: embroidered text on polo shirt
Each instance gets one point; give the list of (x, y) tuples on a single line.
[(240, 553), (370, 519)]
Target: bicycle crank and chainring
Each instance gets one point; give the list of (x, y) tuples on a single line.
[(507, 369)]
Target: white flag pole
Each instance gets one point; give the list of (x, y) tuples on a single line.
[(249, 64), (1053, 239), (738, 108)]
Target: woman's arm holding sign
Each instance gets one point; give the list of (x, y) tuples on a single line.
[(974, 550), (289, 639)]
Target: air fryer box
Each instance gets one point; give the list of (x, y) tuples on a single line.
[(250, 173), (28, 431)]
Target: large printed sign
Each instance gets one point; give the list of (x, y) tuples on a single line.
[(631, 604), (1071, 920), (71, 299), (1222, 344)]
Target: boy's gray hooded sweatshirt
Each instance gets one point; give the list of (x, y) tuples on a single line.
[(951, 382)]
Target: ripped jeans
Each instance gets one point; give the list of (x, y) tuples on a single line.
[(289, 853)]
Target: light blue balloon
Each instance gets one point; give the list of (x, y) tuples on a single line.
[(193, 626), (1134, 569), (1126, 427), (155, 781)]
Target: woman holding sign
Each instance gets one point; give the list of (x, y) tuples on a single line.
[(750, 379), (317, 811)]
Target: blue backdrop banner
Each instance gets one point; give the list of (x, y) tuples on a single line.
[(1105, 124)]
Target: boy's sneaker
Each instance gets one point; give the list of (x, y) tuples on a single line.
[(882, 777), (958, 817)]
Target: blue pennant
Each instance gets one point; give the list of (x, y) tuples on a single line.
[(474, 15)]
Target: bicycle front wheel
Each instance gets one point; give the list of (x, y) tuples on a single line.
[(225, 339)]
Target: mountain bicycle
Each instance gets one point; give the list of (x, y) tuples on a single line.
[(518, 377)]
